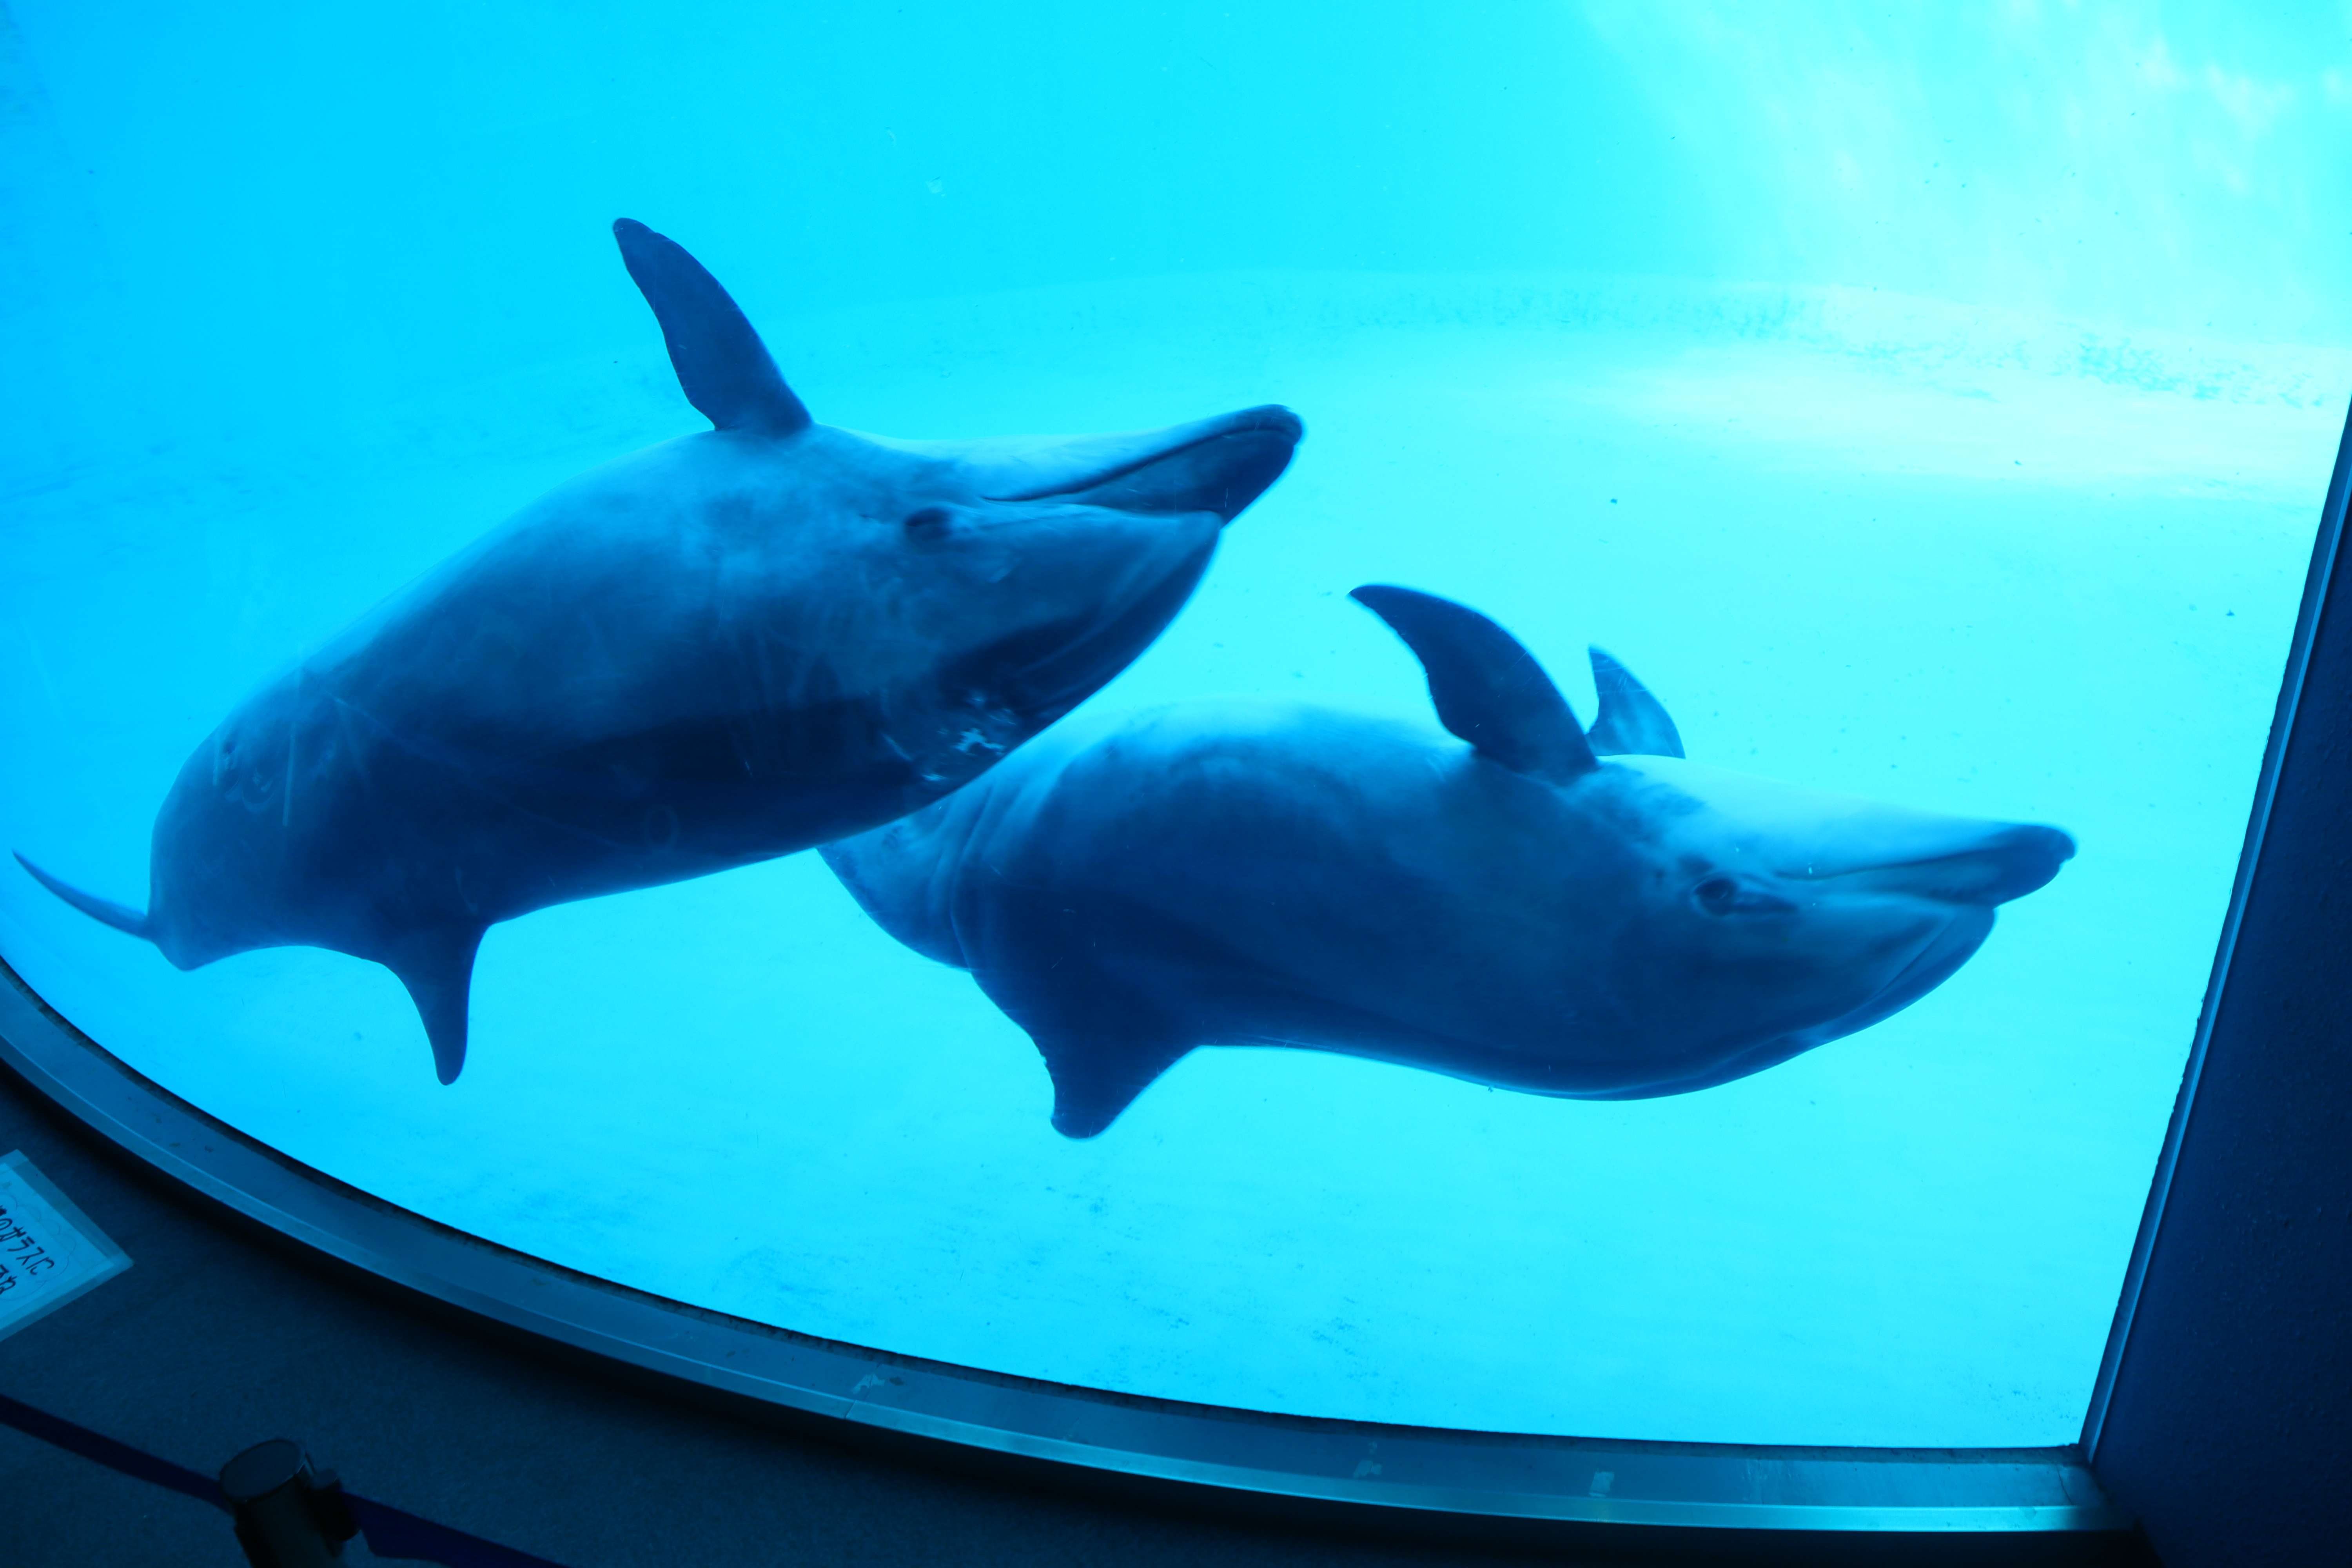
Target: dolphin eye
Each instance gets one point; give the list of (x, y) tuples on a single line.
[(1724, 896), (929, 524)]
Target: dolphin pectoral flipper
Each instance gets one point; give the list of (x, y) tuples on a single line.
[(1097, 1075), (105, 911), (722, 366), (1488, 691), (1631, 722), (436, 964), (1103, 1042)]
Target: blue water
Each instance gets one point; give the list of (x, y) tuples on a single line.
[(1935, 412)]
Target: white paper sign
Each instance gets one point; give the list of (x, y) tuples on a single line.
[(49, 1252)]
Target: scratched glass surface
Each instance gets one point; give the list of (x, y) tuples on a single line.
[(1221, 985)]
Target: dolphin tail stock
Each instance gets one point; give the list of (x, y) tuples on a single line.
[(106, 911), (436, 964)]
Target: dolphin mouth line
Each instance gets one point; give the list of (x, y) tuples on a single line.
[(1063, 666), (1936, 960), (2019, 861), (1282, 427)]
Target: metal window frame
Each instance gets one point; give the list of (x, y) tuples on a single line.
[(1348, 1467)]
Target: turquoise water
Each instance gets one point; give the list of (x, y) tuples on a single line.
[(1933, 412)]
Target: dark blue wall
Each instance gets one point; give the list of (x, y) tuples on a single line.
[(2230, 1428)]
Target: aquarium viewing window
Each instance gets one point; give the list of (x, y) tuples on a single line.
[(1596, 809)]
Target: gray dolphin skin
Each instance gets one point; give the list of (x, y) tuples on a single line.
[(1560, 912), (720, 649)]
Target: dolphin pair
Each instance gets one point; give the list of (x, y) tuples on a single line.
[(1563, 912), (721, 649)]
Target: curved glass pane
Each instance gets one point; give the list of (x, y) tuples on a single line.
[(1230, 997)]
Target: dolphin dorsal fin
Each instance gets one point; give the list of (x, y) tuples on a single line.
[(1631, 720), (722, 365), (1488, 689), (436, 964)]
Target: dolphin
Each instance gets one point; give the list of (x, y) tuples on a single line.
[(1548, 908), (717, 650)]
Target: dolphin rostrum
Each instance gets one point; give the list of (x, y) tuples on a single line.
[(1563, 912), (720, 649)]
